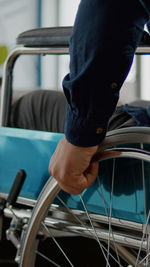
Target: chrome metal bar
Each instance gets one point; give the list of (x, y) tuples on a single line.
[(20, 213), (118, 222), (143, 50), (61, 214), (65, 226), (20, 200), (6, 90), (120, 238)]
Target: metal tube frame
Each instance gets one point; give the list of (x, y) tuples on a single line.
[(7, 87), (6, 90)]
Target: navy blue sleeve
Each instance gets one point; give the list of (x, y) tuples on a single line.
[(102, 46)]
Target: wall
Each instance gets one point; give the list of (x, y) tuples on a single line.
[(56, 13), (17, 16)]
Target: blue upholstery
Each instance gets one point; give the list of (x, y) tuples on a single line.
[(29, 150)]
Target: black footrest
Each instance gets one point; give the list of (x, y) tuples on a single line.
[(45, 37), (16, 187)]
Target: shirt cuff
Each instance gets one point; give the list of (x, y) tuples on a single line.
[(82, 131)]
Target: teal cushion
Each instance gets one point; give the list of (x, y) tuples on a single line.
[(31, 150), (28, 150)]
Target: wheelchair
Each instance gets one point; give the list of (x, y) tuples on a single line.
[(112, 216)]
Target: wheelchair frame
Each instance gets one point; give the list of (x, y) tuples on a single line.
[(31, 43)]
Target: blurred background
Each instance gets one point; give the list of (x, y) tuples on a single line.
[(32, 72)]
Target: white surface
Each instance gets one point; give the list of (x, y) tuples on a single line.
[(56, 13), (17, 16)]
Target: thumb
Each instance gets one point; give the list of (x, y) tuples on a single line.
[(92, 172)]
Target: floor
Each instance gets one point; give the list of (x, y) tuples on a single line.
[(86, 254)]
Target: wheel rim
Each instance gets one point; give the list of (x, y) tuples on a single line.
[(46, 198)]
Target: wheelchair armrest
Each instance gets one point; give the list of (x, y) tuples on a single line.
[(45, 37)]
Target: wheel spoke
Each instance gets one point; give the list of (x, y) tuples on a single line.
[(49, 233), (144, 233), (109, 216), (47, 259), (87, 228), (108, 231), (96, 236)]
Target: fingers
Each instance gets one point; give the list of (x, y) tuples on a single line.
[(72, 167), (92, 173), (70, 190), (76, 185)]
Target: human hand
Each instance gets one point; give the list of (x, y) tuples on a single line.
[(72, 166)]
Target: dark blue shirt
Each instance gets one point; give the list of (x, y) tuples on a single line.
[(102, 46)]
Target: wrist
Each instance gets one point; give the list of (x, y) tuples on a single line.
[(88, 151)]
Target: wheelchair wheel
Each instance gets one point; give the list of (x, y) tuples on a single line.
[(118, 228)]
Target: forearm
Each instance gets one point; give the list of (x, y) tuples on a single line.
[(102, 47)]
